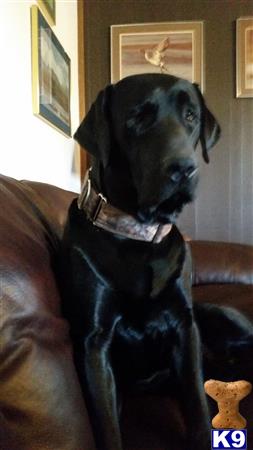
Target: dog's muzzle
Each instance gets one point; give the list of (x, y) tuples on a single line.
[(182, 171)]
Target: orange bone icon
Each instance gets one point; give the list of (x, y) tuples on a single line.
[(228, 396)]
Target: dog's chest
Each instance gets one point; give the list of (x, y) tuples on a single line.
[(138, 270), (144, 279)]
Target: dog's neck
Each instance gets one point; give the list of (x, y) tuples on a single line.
[(106, 216)]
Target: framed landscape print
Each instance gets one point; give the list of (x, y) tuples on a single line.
[(244, 57), (167, 47), (50, 75)]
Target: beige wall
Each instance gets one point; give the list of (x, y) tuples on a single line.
[(224, 207), (29, 147)]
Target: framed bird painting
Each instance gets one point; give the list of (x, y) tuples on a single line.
[(168, 47)]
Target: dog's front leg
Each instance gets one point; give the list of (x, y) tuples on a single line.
[(192, 397), (92, 359), (100, 391), (188, 359)]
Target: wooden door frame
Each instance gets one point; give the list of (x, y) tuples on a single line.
[(81, 78)]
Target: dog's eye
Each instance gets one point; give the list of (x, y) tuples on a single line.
[(142, 117), (190, 116)]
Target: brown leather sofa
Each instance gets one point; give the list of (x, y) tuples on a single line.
[(41, 407)]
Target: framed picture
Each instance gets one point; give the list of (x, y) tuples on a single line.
[(244, 57), (168, 47), (48, 9), (50, 75)]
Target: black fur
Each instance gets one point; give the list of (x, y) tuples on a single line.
[(129, 302)]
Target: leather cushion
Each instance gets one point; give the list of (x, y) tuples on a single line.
[(40, 398)]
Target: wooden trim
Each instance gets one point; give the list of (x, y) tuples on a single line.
[(244, 26), (81, 79)]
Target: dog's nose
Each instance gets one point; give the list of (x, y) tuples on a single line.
[(185, 169)]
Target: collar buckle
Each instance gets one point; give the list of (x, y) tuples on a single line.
[(85, 193), (101, 200)]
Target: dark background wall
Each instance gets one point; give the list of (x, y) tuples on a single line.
[(223, 209)]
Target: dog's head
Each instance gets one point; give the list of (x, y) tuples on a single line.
[(142, 134)]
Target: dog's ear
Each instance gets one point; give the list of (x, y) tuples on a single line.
[(210, 130), (93, 133)]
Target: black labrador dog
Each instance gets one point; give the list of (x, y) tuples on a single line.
[(125, 268)]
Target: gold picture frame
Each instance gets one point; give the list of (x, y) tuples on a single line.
[(244, 57), (48, 9), (169, 47), (51, 77)]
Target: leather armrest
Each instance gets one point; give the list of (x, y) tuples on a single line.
[(40, 397), (221, 263)]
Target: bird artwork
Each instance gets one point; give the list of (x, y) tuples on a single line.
[(156, 55)]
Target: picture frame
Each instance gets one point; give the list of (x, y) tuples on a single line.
[(48, 9), (169, 47), (51, 77), (244, 57)]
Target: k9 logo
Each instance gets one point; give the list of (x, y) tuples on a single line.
[(222, 439)]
